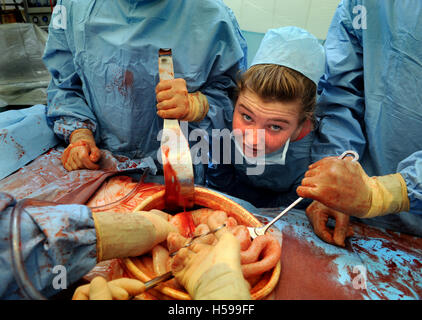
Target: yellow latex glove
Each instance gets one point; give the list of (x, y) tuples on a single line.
[(121, 235), (174, 101), (100, 289), (344, 186), (318, 216), (212, 272), (82, 152)]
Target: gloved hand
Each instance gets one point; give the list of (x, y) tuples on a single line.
[(212, 272), (318, 215), (82, 152), (174, 101), (121, 235), (100, 289), (344, 186)]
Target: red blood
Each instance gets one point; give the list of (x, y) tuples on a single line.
[(187, 225), (128, 79), (172, 195), (308, 273)]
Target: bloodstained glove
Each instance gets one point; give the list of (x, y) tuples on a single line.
[(129, 234), (100, 289), (212, 272), (318, 216), (174, 101), (344, 186), (82, 152)]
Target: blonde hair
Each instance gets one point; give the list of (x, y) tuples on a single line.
[(278, 83)]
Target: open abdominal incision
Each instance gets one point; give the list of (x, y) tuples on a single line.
[(257, 256)]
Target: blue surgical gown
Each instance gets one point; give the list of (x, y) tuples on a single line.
[(62, 235), (371, 95), (103, 58), (274, 187)]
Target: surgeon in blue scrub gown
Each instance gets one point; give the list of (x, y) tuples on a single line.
[(103, 58), (289, 55), (371, 102), (74, 238)]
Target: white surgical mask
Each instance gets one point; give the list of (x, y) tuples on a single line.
[(276, 157)]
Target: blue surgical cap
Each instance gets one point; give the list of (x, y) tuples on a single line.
[(294, 48)]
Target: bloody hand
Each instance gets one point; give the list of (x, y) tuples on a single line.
[(174, 101), (318, 216), (172, 98), (338, 184), (82, 152)]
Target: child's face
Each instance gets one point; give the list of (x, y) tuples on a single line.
[(279, 120)]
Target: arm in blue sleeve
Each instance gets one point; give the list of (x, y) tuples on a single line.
[(67, 108), (220, 113), (63, 236), (341, 105), (411, 170), (229, 57)]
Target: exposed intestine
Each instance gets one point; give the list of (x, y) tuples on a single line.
[(261, 256), (160, 258), (257, 256), (242, 234)]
